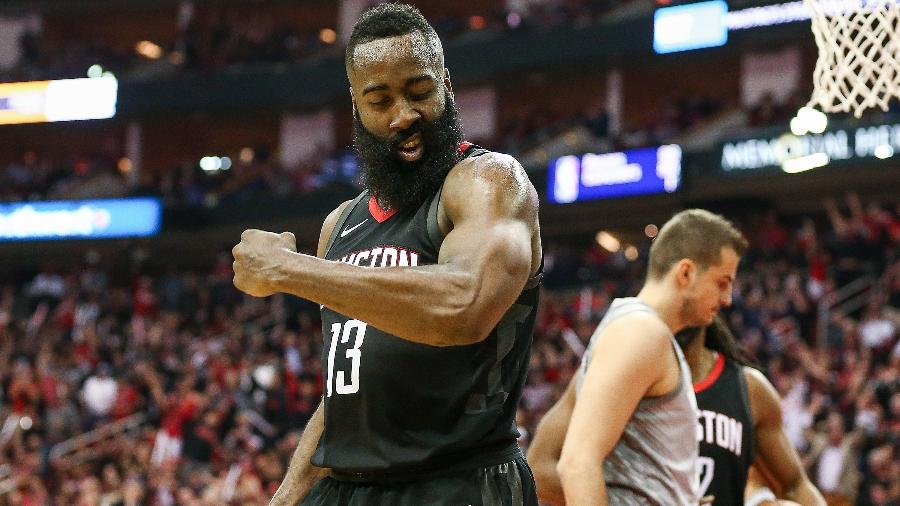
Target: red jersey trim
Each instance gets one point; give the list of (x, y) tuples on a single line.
[(713, 375), (377, 212)]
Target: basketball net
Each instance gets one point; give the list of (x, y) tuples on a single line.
[(859, 54)]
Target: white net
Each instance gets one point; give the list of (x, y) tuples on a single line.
[(859, 54)]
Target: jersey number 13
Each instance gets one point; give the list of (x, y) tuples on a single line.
[(356, 330)]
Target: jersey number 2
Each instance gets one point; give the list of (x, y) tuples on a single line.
[(706, 468), (343, 332)]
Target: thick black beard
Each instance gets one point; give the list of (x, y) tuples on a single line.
[(406, 185)]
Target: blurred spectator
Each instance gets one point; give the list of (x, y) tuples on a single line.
[(178, 408), (832, 460), (99, 394), (211, 38)]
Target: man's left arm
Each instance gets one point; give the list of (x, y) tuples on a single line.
[(774, 453), (629, 359)]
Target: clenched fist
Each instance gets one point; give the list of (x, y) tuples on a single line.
[(258, 258)]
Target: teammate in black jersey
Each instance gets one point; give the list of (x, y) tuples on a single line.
[(740, 423), (428, 283), (739, 427)]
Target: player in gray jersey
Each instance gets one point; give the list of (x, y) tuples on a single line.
[(724, 386), (654, 444), (632, 435)]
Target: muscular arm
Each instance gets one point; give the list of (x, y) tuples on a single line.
[(625, 367), (483, 264), (301, 475), (546, 447), (775, 457)]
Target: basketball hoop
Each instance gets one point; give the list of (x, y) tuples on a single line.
[(859, 54)]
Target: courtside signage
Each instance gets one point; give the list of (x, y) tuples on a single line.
[(80, 219), (61, 100), (875, 142), (609, 175)]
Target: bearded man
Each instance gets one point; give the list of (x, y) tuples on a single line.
[(428, 283)]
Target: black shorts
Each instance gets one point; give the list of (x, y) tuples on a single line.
[(508, 484)]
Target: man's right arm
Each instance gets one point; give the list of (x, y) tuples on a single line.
[(301, 474)]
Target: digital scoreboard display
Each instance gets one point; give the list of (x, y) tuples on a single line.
[(80, 219), (690, 26), (634, 172), (61, 100)]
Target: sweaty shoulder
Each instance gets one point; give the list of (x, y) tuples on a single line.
[(328, 228), (493, 183)]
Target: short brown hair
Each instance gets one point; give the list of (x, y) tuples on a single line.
[(695, 234)]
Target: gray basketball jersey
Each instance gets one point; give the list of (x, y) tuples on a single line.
[(655, 459)]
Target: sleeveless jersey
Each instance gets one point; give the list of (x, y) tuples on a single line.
[(398, 409), (725, 433), (654, 461)]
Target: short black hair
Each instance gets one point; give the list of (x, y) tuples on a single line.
[(392, 20)]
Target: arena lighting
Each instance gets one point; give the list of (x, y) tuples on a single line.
[(125, 165), (95, 71), (210, 163), (651, 230), (215, 163), (148, 50), (884, 151), (62, 100), (327, 35), (809, 120), (797, 127), (805, 163), (631, 253), (608, 242)]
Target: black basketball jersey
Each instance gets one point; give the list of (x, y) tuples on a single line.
[(395, 407), (725, 433)]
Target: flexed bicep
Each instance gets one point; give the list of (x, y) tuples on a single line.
[(493, 211)]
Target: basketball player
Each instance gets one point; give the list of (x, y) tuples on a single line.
[(428, 282), (739, 425), (632, 434)]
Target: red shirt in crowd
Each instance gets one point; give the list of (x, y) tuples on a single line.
[(184, 410)]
